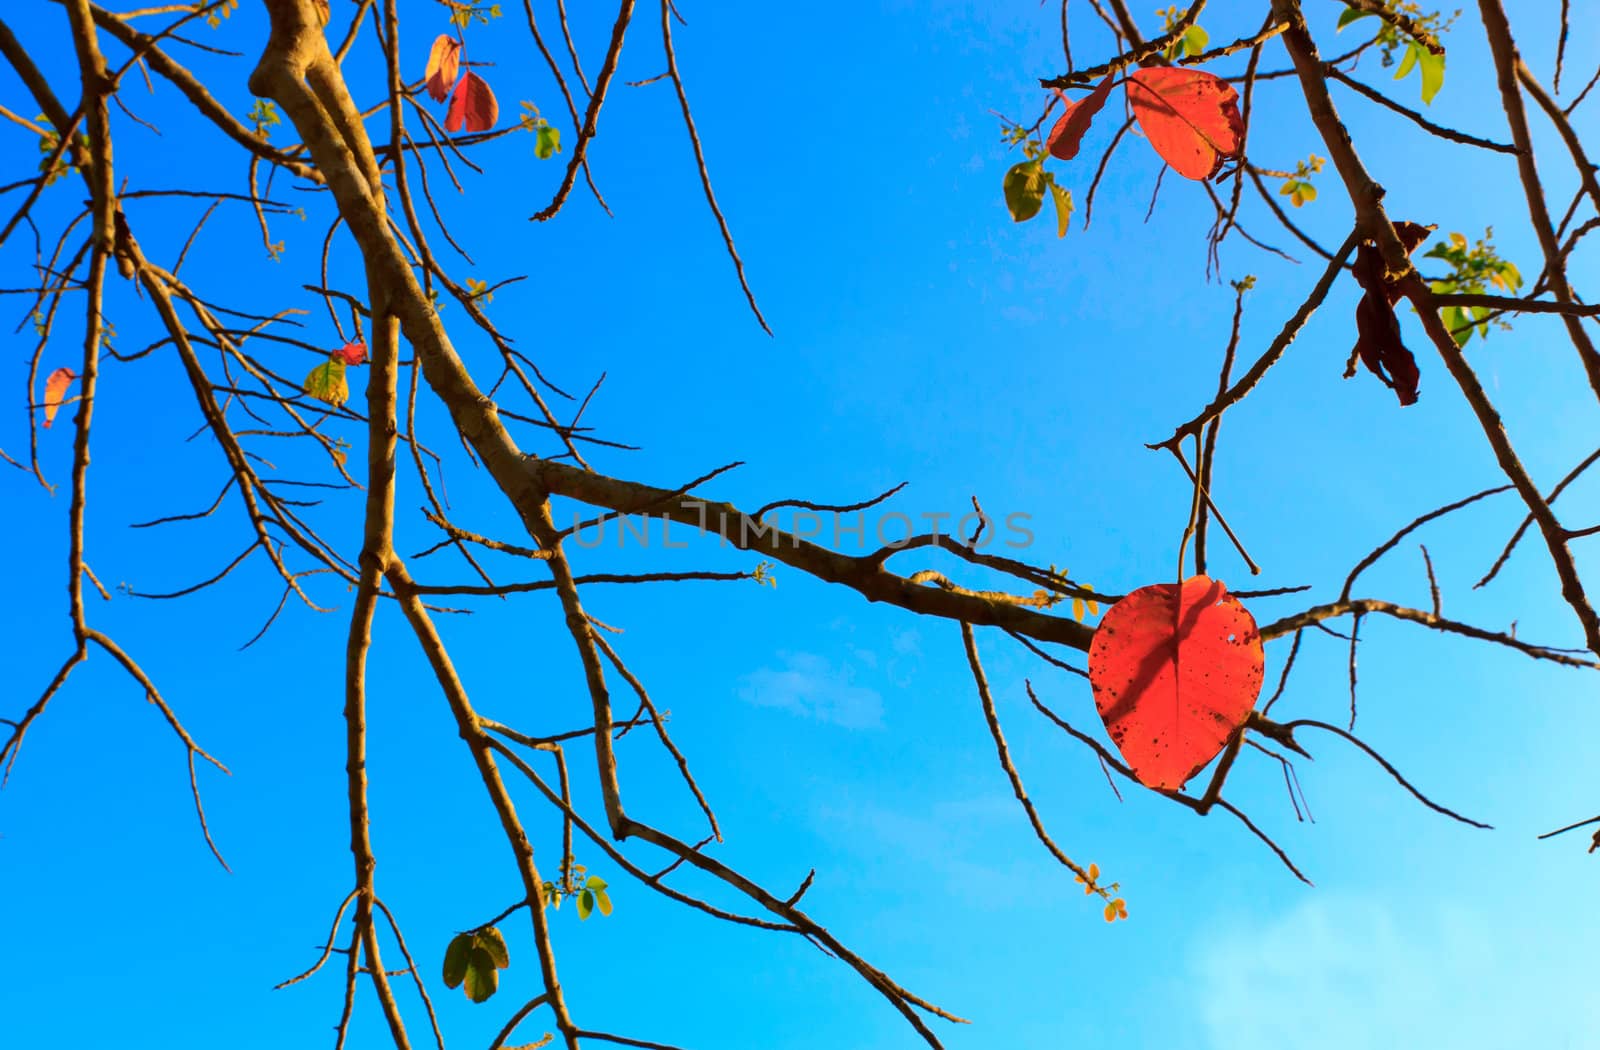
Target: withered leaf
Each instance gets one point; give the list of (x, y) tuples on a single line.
[(1378, 343)]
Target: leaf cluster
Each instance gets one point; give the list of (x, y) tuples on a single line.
[(473, 962), (1193, 41), (1474, 270), (1298, 187), (1415, 54), (591, 895)]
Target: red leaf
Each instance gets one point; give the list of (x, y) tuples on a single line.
[(1190, 117), (55, 389), (444, 65), (1067, 135), (354, 352), (1174, 677), (472, 106)]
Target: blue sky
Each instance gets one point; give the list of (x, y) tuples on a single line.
[(921, 337)]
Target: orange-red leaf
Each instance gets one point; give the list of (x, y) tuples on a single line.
[(1174, 674), (444, 65), (472, 106), (1067, 135), (55, 389), (353, 352), (1190, 117)]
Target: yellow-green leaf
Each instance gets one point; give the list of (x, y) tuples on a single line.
[(1432, 73), (492, 942), (1407, 61), (546, 142), (1024, 189), (455, 959), (1063, 202), (327, 382), (482, 977), (1350, 15)]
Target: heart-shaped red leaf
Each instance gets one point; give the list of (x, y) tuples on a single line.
[(1190, 117), (472, 106), (1174, 674), (1067, 135), (444, 65), (354, 352)]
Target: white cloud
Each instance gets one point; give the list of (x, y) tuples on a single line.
[(907, 642), (809, 685), (937, 837), (1346, 972)]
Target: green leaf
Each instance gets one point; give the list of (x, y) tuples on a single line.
[(1432, 73), (546, 141), (602, 900), (327, 382), (455, 959), (1024, 189), (491, 941), (1195, 40), (1350, 15), (595, 882), (482, 977), (1063, 202), (585, 904), (1408, 61)]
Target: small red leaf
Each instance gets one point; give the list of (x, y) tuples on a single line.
[(354, 352), (472, 106), (1174, 676), (1190, 117), (55, 389), (1067, 135), (444, 65)]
